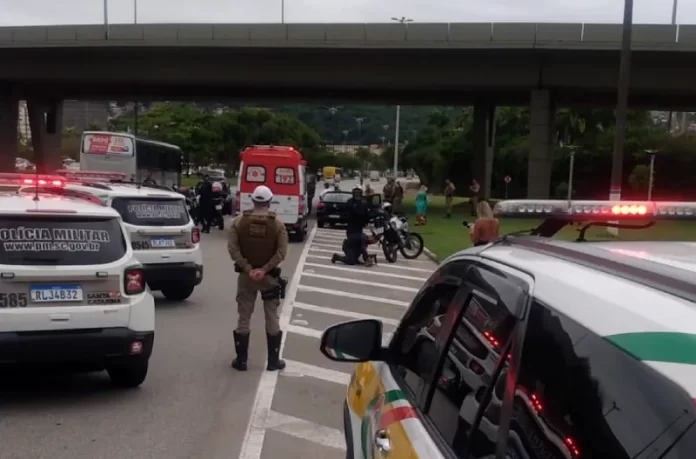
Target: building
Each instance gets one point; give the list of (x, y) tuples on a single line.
[(81, 114)]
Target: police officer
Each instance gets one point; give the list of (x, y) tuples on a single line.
[(205, 202), (258, 243)]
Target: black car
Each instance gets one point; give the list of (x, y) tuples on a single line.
[(332, 208)]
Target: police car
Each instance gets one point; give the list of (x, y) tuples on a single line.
[(531, 347), (72, 293), (162, 234)]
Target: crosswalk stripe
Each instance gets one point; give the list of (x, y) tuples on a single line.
[(368, 271), (355, 296), (313, 371), (397, 265), (306, 430), (361, 282), (344, 313)]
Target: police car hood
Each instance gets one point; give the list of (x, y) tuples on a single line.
[(681, 255)]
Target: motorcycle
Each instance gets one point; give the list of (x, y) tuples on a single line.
[(217, 218), (392, 233), (191, 204)]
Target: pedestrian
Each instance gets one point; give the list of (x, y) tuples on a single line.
[(398, 197), (422, 206), (449, 197), (205, 203), (258, 243), (486, 227), (389, 190), (474, 190)]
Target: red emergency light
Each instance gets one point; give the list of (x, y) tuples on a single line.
[(92, 176), (19, 180), (597, 211)]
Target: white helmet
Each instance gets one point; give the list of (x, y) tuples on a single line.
[(262, 194), (386, 206)]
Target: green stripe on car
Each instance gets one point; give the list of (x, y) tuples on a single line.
[(658, 346)]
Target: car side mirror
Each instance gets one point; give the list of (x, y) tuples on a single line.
[(355, 341)]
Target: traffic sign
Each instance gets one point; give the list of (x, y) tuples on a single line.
[(507, 179)]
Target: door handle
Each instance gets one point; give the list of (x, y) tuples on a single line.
[(382, 442)]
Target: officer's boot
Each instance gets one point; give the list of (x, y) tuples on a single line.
[(274, 361), (241, 345)]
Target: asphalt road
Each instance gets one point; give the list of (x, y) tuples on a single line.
[(193, 405)]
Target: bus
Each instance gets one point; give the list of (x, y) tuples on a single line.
[(331, 173), (139, 159)]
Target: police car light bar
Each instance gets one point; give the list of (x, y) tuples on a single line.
[(18, 180), (93, 176), (596, 211)]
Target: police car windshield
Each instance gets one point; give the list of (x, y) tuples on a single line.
[(152, 211), (337, 197), (60, 241)]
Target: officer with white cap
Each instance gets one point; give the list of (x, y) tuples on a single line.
[(258, 243)]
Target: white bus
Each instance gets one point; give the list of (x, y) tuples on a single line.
[(138, 158)]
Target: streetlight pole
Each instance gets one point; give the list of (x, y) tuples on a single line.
[(396, 140), (674, 22), (282, 11), (572, 149), (622, 103), (651, 175), (135, 11), (106, 19)]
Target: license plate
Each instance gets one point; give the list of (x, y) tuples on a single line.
[(334, 216), (218, 207), (53, 293), (162, 243)]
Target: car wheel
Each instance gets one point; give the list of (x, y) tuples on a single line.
[(177, 293), (129, 375), (321, 223), (299, 236)]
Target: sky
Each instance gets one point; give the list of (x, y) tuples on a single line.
[(53, 12)]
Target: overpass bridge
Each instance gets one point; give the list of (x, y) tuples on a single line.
[(482, 64)]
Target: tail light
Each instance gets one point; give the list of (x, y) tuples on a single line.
[(133, 281), (320, 205), (195, 235), (301, 206), (238, 202)]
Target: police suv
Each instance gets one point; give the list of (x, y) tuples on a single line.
[(72, 293), (531, 347), (162, 234)]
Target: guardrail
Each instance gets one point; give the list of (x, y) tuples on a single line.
[(387, 35)]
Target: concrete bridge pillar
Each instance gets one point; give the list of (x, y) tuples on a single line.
[(542, 132), (484, 145), (9, 116), (46, 122)]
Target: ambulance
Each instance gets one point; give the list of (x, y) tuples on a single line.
[(284, 171)]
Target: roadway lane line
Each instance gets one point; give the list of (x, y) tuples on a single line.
[(305, 331), (368, 271), (252, 446), (315, 249), (361, 282), (313, 371), (381, 265), (306, 430), (336, 246), (344, 313), (355, 296)]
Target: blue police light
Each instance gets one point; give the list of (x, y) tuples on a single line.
[(595, 210)]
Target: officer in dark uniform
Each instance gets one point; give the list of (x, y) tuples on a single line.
[(205, 202), (355, 244), (258, 243)]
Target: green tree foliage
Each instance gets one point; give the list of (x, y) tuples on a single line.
[(208, 137)]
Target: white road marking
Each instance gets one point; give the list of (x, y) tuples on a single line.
[(337, 246), (306, 430), (355, 296), (330, 238), (299, 322), (316, 249), (381, 265), (252, 446), (369, 271), (344, 313), (305, 331), (313, 371), (361, 282)]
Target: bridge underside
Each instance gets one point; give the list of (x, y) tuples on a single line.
[(542, 79)]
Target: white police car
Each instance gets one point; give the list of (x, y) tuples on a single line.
[(72, 293), (531, 347), (162, 234)]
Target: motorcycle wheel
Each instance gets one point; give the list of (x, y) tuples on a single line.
[(415, 240), (391, 253), (221, 223)]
